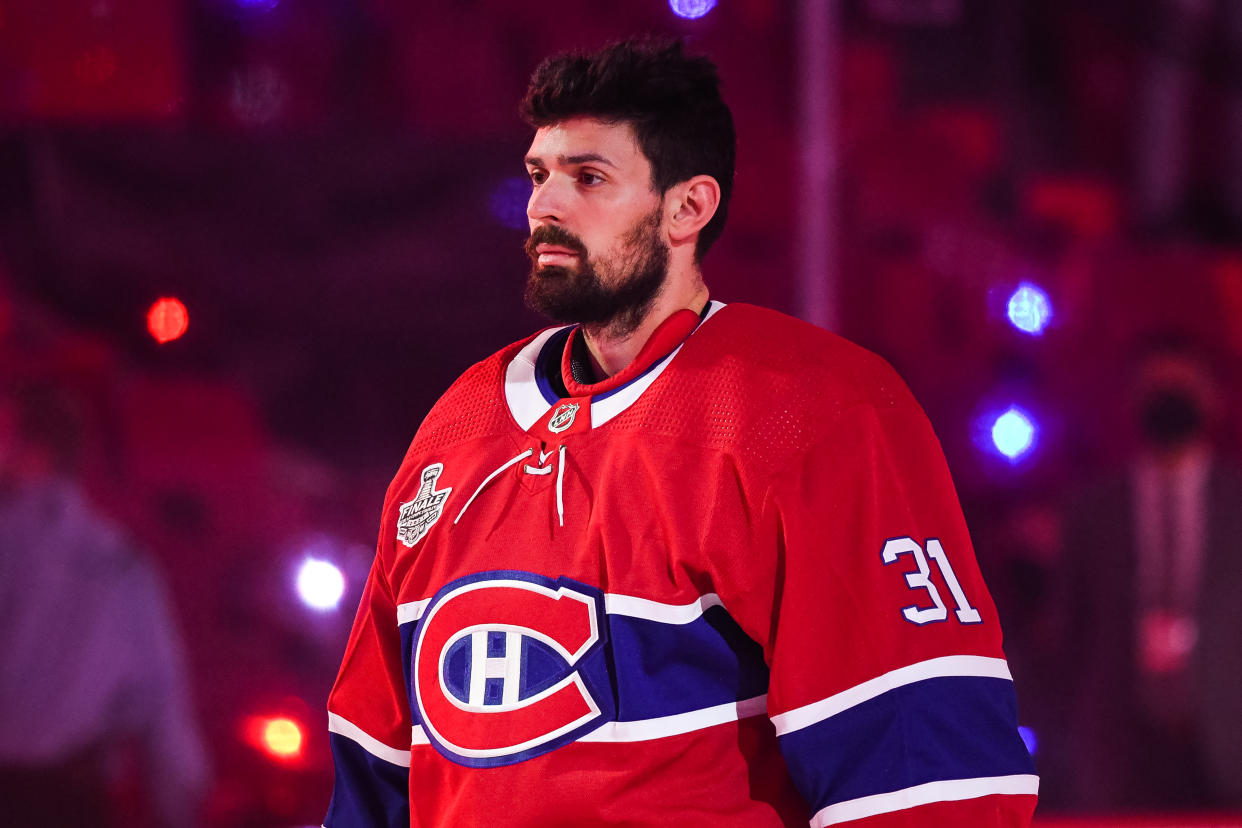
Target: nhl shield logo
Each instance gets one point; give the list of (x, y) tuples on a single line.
[(420, 514), (563, 417)]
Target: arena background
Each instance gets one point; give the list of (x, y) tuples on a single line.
[(998, 197)]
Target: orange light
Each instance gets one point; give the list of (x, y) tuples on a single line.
[(167, 319), (282, 738)]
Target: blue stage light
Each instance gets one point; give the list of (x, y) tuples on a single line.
[(257, 5), (691, 9), (1014, 433), (1029, 309), (1029, 739)]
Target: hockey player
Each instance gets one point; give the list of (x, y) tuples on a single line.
[(675, 562)]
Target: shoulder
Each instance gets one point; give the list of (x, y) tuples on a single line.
[(788, 353), (811, 375), (472, 407), (764, 387)]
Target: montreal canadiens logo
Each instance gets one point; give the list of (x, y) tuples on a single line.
[(563, 417), (508, 665)]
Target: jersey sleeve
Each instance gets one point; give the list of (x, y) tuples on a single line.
[(368, 718), (890, 695)]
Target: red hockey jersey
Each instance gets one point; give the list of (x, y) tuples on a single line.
[(730, 586)]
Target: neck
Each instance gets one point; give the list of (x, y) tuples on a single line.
[(614, 345)]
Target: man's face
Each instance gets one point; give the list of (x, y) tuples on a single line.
[(597, 248)]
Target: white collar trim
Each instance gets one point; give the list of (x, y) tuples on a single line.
[(527, 404)]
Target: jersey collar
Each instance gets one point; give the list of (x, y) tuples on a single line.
[(529, 395)]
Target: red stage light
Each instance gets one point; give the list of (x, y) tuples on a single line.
[(167, 319), (280, 737)]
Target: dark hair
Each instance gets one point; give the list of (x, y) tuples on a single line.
[(670, 99)]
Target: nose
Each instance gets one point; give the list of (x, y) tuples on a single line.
[(546, 203)]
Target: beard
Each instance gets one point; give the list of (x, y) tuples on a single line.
[(615, 294)]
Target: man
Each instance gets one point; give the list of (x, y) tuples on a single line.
[(1155, 570), (679, 563)]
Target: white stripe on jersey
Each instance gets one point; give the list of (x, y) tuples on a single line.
[(655, 611), (373, 746), (412, 611), (951, 790), (645, 730), (614, 605), (677, 724), (943, 667)]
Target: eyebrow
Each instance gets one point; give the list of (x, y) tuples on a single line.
[(582, 158)]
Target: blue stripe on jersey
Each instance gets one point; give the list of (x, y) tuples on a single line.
[(407, 649), (550, 356), (555, 344), (603, 395), (368, 791), (663, 669), (959, 727)]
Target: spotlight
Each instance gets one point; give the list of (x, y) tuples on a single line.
[(1014, 433), (167, 319), (691, 9), (320, 584), (280, 737), (1029, 309), (259, 6)]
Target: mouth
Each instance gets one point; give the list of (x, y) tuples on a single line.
[(554, 255)]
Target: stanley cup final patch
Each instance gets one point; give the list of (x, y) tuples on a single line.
[(420, 514)]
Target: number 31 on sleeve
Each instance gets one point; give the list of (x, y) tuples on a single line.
[(921, 579)]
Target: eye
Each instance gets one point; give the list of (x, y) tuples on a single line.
[(538, 176), (590, 178)]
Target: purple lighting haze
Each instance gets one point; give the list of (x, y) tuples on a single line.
[(507, 203)]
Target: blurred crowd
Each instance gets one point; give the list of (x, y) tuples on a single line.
[(150, 533)]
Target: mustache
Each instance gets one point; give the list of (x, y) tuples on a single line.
[(552, 234)]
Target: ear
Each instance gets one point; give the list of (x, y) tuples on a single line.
[(689, 206)]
